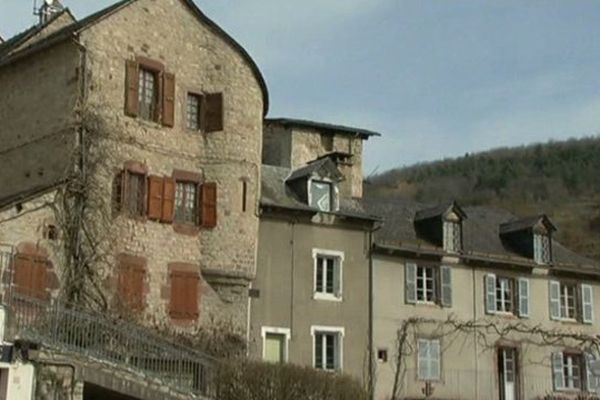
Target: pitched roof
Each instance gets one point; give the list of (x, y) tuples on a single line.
[(481, 233), (276, 193), (526, 223), (439, 211), (92, 19), (302, 123), (318, 165)]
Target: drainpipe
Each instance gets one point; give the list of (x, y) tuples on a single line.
[(475, 333), (370, 377)]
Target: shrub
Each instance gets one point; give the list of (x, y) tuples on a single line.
[(245, 380)]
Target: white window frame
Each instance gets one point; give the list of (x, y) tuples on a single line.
[(538, 249), (339, 256), (563, 301), (333, 193), (435, 280), (512, 285), (276, 331), (340, 331), (439, 371), (449, 236)]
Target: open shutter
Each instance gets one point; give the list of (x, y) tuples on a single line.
[(592, 380), (131, 93), (168, 200), (209, 205), (213, 112), (155, 197), (434, 360), (587, 303), (168, 100), (410, 287), (558, 374), (423, 359), (490, 290), (554, 290), (524, 298), (337, 284), (446, 286), (119, 191)]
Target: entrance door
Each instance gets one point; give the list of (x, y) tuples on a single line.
[(274, 347), (507, 367)]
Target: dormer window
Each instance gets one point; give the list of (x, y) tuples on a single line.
[(541, 249), (452, 236), (321, 195)]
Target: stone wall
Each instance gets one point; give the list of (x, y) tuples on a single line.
[(202, 61)]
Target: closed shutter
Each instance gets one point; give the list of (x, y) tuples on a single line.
[(23, 270), (155, 197), (209, 205), (131, 285), (423, 359), (592, 380), (184, 295), (446, 286), (524, 298), (131, 94), (554, 290), (213, 112), (490, 290), (558, 374), (39, 284), (434, 359), (410, 279), (168, 100), (191, 299), (168, 203), (587, 302)]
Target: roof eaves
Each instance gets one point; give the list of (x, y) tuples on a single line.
[(365, 133), (29, 194)]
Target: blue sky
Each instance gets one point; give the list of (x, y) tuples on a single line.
[(438, 78)]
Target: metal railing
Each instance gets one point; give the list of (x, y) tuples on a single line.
[(118, 342)]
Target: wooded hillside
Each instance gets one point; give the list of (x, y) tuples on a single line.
[(561, 179)]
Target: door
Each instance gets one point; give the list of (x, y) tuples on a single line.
[(274, 348), (507, 368)]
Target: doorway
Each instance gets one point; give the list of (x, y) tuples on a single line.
[(508, 376)]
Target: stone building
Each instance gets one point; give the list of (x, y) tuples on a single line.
[(131, 152), (310, 296), (477, 303)]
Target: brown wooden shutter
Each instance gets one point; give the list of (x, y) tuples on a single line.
[(155, 197), (23, 269), (168, 203), (39, 284), (131, 285), (168, 100), (119, 191), (131, 94), (191, 296), (213, 112), (209, 205), (177, 301)]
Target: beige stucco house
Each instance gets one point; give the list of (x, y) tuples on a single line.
[(476, 303), (310, 297)]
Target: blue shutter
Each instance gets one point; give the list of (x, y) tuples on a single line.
[(446, 279), (554, 290), (490, 290)]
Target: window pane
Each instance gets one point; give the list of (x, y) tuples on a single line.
[(330, 276), (319, 350), (320, 195), (186, 202), (147, 94), (193, 112), (330, 351), (320, 262), (136, 194)]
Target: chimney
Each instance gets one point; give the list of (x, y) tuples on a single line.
[(48, 9)]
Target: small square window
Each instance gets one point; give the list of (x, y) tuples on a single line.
[(382, 356), (193, 113)]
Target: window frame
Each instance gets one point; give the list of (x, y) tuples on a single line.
[(429, 341), (452, 236), (512, 296), (199, 96), (435, 279), (154, 106), (287, 332), (185, 184), (564, 286), (339, 332), (332, 194), (542, 248), (338, 257)]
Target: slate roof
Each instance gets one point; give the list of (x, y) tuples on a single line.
[(481, 233), (303, 123), (525, 223), (313, 167), (70, 30), (276, 193), (438, 211)]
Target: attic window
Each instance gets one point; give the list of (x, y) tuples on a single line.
[(452, 236), (321, 195), (541, 249)]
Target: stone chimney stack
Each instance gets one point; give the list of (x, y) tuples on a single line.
[(48, 9)]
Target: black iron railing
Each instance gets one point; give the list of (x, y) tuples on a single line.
[(114, 341)]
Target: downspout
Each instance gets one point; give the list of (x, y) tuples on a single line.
[(371, 364), (475, 332)]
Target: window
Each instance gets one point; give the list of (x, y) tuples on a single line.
[(186, 202), (382, 356), (327, 141), (428, 359), (507, 295), (148, 94), (327, 348), (184, 295), (321, 195), (425, 285), (568, 370), (428, 284), (275, 344), (569, 301), (452, 236), (194, 111), (542, 249), (328, 274)]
